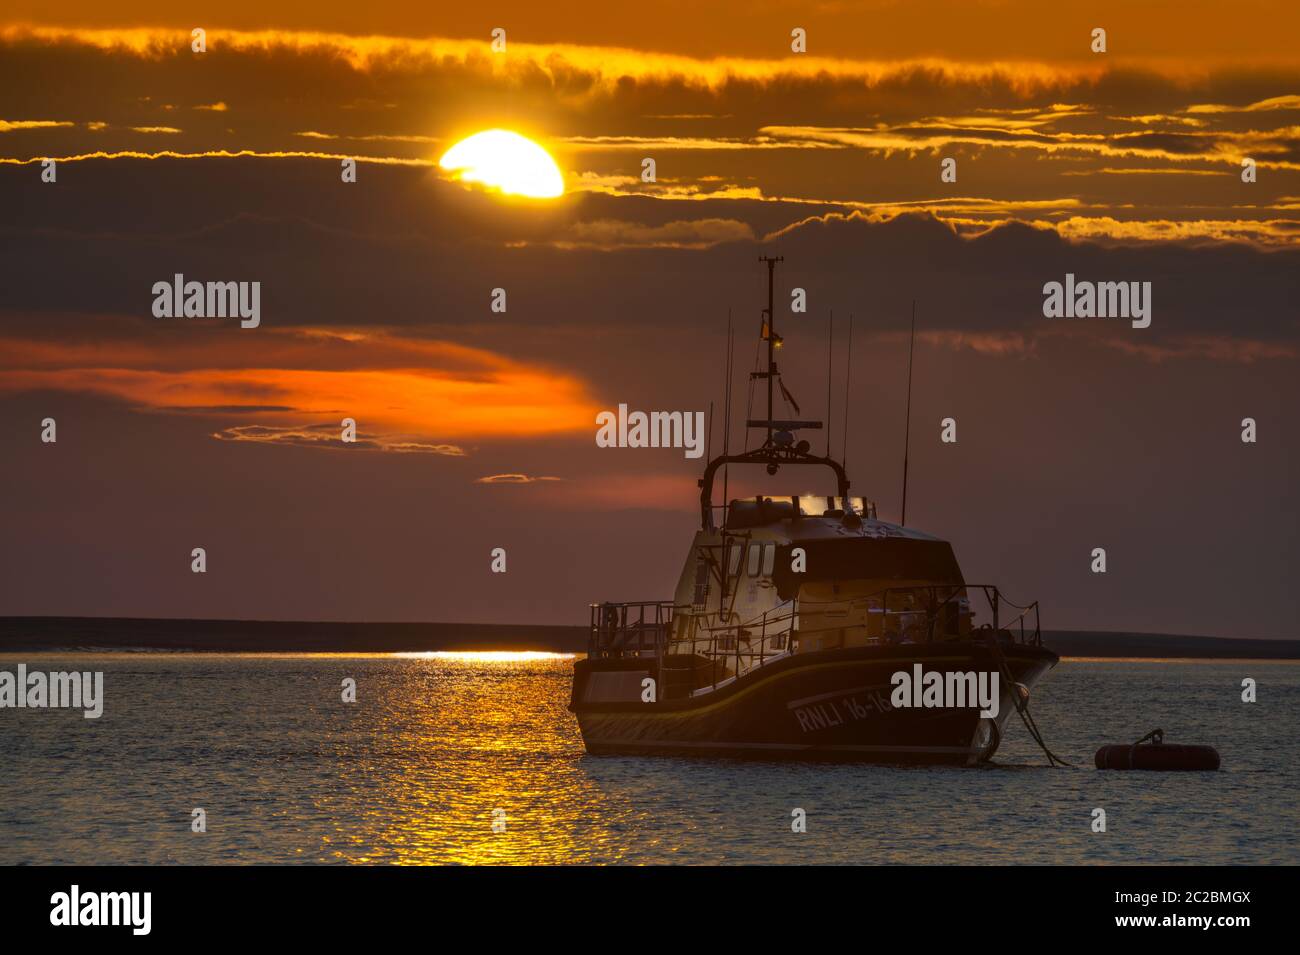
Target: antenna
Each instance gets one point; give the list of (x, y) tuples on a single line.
[(726, 437), (907, 428), (778, 431), (848, 373), (708, 444), (830, 375), (771, 337)]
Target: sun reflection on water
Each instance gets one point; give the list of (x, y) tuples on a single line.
[(484, 656), (452, 736)]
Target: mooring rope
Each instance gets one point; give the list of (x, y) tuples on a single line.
[(1022, 706)]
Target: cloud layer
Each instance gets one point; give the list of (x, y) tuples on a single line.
[(1116, 146)]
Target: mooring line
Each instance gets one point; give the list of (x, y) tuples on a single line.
[(1022, 707)]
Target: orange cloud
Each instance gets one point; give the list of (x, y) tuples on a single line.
[(606, 66), (399, 390), (327, 437), (514, 479), (1217, 146), (1263, 232), (10, 125), (216, 154)]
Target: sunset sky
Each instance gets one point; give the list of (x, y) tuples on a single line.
[(476, 427)]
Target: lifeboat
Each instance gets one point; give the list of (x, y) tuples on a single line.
[(793, 617)]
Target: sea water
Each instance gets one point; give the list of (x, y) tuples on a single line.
[(475, 759)]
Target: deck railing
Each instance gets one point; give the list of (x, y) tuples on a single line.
[(636, 629), (745, 646), (932, 613), (943, 601)]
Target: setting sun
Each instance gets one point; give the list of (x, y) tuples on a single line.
[(503, 160)]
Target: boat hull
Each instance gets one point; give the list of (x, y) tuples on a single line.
[(828, 705)]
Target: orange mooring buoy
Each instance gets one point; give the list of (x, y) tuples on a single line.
[(1157, 755)]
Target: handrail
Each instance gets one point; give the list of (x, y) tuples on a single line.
[(613, 624), (992, 594), (773, 457), (639, 628), (786, 613)]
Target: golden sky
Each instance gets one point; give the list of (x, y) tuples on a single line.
[(1144, 140), (225, 165), (1190, 32)]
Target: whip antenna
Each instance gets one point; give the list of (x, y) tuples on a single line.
[(830, 375), (848, 372), (726, 437), (907, 428)]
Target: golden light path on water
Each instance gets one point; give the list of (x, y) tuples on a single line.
[(484, 656), (455, 741)]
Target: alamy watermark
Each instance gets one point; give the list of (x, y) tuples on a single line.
[(655, 429), (953, 689), (1073, 299), (75, 907), (181, 299), (54, 690)]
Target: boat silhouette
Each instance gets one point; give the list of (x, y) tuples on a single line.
[(791, 623)]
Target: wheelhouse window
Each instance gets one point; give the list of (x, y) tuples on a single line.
[(735, 550), (769, 558), (754, 557)]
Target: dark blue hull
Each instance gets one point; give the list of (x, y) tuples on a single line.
[(827, 705)]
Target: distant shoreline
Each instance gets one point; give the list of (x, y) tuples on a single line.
[(36, 634)]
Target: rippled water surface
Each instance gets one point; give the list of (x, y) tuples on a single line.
[(413, 771)]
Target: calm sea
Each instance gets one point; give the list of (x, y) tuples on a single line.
[(416, 769)]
